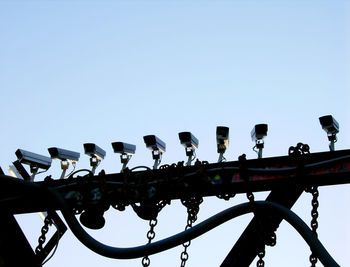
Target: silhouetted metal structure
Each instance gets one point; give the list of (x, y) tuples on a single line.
[(149, 190)]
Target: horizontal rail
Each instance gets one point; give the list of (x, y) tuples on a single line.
[(178, 181)]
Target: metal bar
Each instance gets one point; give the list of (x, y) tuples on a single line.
[(247, 246), (61, 229), (23, 172), (17, 200), (178, 182), (14, 246)]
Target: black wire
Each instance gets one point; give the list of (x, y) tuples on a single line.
[(203, 227), (74, 166), (194, 156), (139, 167), (82, 170), (279, 170), (175, 240), (42, 172)]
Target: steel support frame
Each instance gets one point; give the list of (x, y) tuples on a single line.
[(14, 246), (247, 246), (284, 191)]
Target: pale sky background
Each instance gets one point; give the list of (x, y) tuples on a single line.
[(73, 72)]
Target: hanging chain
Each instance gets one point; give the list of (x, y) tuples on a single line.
[(42, 237), (150, 235), (161, 204), (260, 262), (226, 196), (152, 223), (314, 215), (250, 197), (192, 205)]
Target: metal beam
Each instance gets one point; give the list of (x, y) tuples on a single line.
[(247, 246), (14, 246), (178, 182)]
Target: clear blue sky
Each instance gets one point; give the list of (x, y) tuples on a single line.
[(73, 72)]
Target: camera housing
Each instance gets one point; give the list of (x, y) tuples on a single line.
[(329, 124), (188, 140), (93, 150), (154, 143), (259, 132), (222, 138), (157, 146), (33, 160), (124, 148), (331, 127), (63, 154)]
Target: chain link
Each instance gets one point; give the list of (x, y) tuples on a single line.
[(152, 223), (150, 236), (161, 204), (314, 216), (261, 255), (271, 239), (42, 237), (146, 261), (192, 205), (226, 196), (250, 197)]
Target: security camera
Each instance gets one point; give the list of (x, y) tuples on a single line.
[(93, 150), (154, 143), (157, 146), (259, 132), (190, 142), (329, 124), (222, 138), (123, 148), (96, 155), (222, 141), (126, 151), (331, 127), (63, 154), (33, 159), (187, 139)]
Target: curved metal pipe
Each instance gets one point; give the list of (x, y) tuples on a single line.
[(175, 240), (201, 228)]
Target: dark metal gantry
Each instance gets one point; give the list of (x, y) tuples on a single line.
[(286, 177)]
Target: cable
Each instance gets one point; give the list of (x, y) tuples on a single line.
[(82, 170), (254, 149), (194, 156), (203, 227), (175, 240), (309, 166), (324, 162), (74, 165), (139, 167)]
